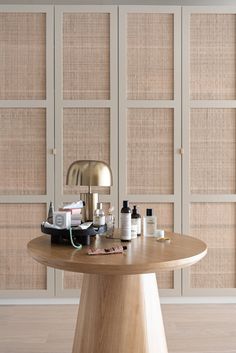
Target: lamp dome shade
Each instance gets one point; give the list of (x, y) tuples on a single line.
[(89, 173)]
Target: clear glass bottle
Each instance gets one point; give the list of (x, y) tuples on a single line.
[(99, 216), (136, 221), (110, 222), (125, 218), (149, 224)]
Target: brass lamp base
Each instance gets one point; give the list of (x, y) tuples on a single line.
[(91, 200)]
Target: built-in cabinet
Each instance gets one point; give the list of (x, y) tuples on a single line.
[(209, 140), (26, 144), (86, 104), (151, 90), (150, 117)]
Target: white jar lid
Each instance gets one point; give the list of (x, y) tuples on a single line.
[(160, 233)]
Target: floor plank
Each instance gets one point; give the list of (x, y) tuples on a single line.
[(201, 328)]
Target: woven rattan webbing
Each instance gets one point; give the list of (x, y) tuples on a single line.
[(214, 223), (22, 55), (86, 56), (22, 151), (165, 220), (150, 56), (213, 151), (150, 138), (72, 280), (212, 56), (19, 224), (86, 135)]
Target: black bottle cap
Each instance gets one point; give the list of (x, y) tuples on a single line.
[(149, 211), (125, 204), (134, 210)]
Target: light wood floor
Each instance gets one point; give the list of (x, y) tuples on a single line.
[(50, 329)]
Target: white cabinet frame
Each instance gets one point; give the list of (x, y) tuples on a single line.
[(175, 198), (60, 103), (48, 104), (187, 104)]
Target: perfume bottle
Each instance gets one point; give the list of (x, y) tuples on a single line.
[(99, 216), (149, 223), (125, 219), (110, 222), (136, 221)]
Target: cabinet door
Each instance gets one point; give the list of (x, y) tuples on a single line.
[(86, 104), (209, 126), (26, 140), (150, 117)]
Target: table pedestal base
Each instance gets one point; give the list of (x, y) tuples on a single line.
[(119, 314)]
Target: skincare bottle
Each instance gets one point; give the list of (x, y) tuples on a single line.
[(125, 219), (50, 213), (136, 220), (110, 222), (99, 216), (149, 223)]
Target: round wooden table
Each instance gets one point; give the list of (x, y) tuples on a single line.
[(119, 310)]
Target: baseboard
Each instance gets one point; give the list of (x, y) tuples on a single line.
[(75, 301)]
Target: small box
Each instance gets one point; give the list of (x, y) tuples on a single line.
[(62, 219)]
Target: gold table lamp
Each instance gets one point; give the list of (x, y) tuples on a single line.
[(89, 173)]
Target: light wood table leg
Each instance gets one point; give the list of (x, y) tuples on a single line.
[(119, 314)]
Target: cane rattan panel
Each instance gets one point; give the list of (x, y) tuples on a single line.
[(86, 135), (86, 56), (213, 151), (150, 135), (22, 151), (150, 51), (213, 56), (73, 280), (165, 220), (214, 223), (19, 224), (22, 56)]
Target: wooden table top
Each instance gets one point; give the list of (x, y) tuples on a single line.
[(143, 255)]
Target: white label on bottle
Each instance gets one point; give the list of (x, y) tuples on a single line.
[(150, 226), (125, 219)]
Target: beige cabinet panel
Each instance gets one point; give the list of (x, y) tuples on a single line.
[(212, 56), (214, 223), (26, 144), (72, 280), (150, 149), (86, 56), (23, 56), (22, 151), (86, 105), (165, 220), (150, 117), (19, 224), (150, 56), (209, 139), (213, 151), (86, 135)]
